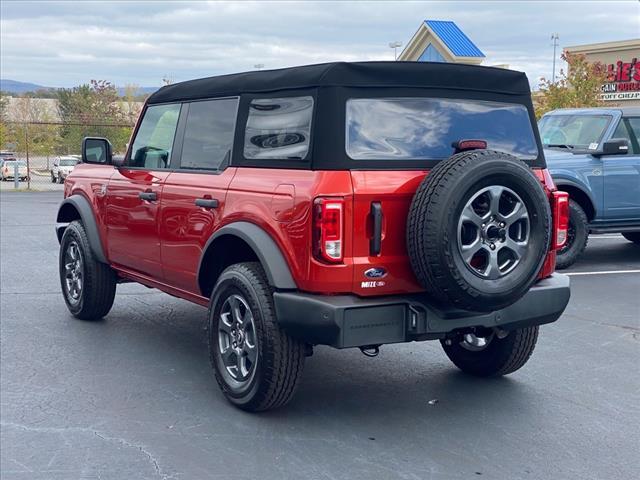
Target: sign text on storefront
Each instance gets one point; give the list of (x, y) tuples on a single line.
[(623, 81)]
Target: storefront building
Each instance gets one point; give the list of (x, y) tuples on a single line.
[(622, 61)]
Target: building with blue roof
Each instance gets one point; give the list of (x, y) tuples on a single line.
[(441, 41)]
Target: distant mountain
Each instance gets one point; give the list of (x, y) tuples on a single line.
[(13, 86)]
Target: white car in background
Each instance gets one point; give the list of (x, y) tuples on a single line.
[(63, 167), (8, 168)]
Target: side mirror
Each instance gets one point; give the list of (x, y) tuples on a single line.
[(96, 150), (615, 146)]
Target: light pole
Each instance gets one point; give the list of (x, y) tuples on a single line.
[(395, 46), (555, 39), (259, 66)]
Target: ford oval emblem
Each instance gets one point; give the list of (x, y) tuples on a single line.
[(375, 272)]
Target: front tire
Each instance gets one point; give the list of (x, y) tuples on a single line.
[(493, 357), (53, 178), (577, 237), (257, 365), (88, 286), (632, 237)]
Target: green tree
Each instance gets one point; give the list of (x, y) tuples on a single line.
[(3, 120), (92, 110), (578, 87)]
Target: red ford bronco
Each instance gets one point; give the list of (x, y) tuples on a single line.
[(343, 204)]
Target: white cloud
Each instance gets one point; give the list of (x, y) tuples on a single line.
[(66, 43)]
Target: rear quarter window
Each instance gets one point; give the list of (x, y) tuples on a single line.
[(278, 128), (420, 128)]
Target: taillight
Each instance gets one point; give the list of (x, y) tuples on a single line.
[(560, 203), (328, 229)]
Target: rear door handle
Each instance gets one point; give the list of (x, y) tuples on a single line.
[(148, 196), (207, 203), (375, 242)]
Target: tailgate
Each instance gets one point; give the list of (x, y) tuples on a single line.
[(390, 193)]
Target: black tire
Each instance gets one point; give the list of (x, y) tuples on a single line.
[(98, 280), (501, 356), (577, 237), (279, 358), (632, 237), (53, 178), (433, 229)]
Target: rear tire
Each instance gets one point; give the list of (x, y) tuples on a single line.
[(501, 356), (257, 365), (632, 237), (88, 286), (53, 178), (577, 237)]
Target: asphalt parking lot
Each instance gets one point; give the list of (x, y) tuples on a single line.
[(133, 396)]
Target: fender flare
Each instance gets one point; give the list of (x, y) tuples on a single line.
[(561, 182), (265, 248), (81, 205)]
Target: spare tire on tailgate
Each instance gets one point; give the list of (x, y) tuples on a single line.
[(478, 230)]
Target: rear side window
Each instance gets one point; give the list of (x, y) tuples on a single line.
[(208, 136), (154, 139), (278, 128), (424, 128)]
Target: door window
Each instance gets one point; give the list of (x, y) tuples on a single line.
[(154, 139), (634, 125), (208, 136)]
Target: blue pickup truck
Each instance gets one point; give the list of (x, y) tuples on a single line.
[(594, 155)]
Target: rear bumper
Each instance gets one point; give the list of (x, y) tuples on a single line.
[(344, 321)]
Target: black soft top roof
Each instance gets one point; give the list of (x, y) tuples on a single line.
[(359, 74)]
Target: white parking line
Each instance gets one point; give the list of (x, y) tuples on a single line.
[(604, 272)]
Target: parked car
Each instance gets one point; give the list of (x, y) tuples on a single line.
[(7, 169), (594, 155), (342, 204), (63, 167)]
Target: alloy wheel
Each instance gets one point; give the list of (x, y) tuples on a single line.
[(474, 343), (237, 345), (493, 232), (74, 275)]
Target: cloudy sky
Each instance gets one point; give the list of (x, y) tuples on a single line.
[(62, 44)]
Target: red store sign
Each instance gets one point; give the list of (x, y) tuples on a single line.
[(623, 81)]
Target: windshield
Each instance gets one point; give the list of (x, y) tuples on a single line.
[(424, 128), (573, 131), (68, 162), (13, 163)]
